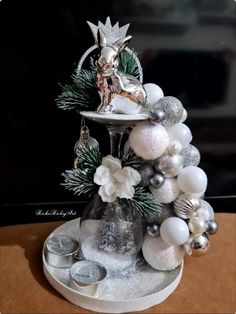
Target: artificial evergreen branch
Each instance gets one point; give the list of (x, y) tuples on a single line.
[(127, 64), (81, 94), (130, 159), (143, 201)]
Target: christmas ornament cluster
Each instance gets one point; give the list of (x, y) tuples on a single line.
[(149, 197)]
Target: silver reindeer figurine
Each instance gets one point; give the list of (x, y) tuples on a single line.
[(120, 93)]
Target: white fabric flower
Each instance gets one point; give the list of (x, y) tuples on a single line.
[(114, 181)]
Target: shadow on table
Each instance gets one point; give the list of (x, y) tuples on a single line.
[(31, 238)]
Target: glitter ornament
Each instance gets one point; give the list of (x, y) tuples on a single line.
[(157, 116), (200, 245), (180, 133), (170, 165), (160, 255), (192, 180), (146, 173), (174, 231), (191, 156), (154, 93), (186, 206), (197, 226), (172, 108), (205, 211), (167, 193), (157, 180), (153, 230), (212, 227), (148, 141)]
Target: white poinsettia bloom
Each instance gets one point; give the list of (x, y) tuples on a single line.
[(114, 181)]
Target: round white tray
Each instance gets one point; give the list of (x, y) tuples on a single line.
[(142, 290)]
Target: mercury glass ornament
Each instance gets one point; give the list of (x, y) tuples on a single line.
[(200, 245), (157, 116), (212, 227), (170, 165), (186, 206), (157, 180), (146, 173), (205, 211), (172, 108), (197, 225), (153, 230), (191, 156), (180, 133)]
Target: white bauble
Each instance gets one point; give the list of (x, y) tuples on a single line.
[(154, 93), (192, 180), (180, 133), (184, 115), (174, 231), (197, 225), (160, 255), (205, 211), (167, 193), (148, 140)]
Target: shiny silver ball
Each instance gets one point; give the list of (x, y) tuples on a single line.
[(197, 225), (147, 172), (186, 206), (170, 165), (172, 108), (174, 148), (212, 227), (157, 180), (153, 230), (200, 245), (157, 116), (191, 156)]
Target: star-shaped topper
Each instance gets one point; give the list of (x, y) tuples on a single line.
[(112, 33)]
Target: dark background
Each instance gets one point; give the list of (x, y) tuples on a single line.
[(187, 47)]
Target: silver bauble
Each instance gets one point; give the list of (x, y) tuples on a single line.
[(153, 230), (185, 206), (212, 227), (174, 148), (200, 245), (147, 172), (191, 156), (205, 211), (184, 115), (157, 116), (172, 108), (170, 165), (157, 180), (197, 226)]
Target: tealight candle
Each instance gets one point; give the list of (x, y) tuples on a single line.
[(61, 250), (86, 276)]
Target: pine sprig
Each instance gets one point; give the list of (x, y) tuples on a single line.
[(80, 181), (130, 159), (143, 201), (81, 94), (127, 64)]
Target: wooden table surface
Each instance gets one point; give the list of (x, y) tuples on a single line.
[(207, 286)]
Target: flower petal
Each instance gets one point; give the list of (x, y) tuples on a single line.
[(102, 175), (109, 188), (133, 175), (125, 190), (105, 197), (113, 164), (120, 176)]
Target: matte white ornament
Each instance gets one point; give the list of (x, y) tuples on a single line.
[(192, 180), (148, 140), (174, 231), (121, 104), (154, 93), (160, 255), (167, 193), (180, 133)]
